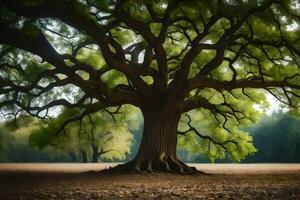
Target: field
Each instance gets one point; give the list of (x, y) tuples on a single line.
[(81, 181)]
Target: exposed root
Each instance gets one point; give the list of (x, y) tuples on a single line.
[(162, 160), (149, 166), (160, 164), (177, 165), (191, 169), (126, 167)]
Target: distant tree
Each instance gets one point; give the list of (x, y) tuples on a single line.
[(87, 140), (4, 144), (193, 68), (14, 139)]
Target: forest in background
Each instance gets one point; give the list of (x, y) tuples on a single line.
[(276, 138)]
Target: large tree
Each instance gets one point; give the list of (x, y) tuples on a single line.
[(172, 59)]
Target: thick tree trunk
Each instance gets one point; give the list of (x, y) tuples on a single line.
[(158, 144), (157, 151)]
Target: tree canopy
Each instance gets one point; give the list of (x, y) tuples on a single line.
[(203, 63)]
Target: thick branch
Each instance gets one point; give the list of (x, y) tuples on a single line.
[(202, 82)]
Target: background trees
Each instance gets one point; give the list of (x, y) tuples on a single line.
[(277, 139), (15, 144), (92, 139), (96, 136)]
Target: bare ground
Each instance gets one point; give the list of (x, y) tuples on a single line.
[(76, 181)]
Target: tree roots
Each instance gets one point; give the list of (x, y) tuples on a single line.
[(151, 165)]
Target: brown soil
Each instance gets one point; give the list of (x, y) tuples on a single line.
[(74, 181)]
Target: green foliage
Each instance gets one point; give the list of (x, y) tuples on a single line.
[(222, 128), (98, 129), (92, 57), (123, 36), (206, 125), (14, 136), (114, 78)]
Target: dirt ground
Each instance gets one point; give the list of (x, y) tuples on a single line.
[(76, 181)]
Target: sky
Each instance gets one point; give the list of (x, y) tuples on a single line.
[(275, 105)]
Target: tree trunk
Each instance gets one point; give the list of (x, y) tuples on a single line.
[(84, 156), (157, 151), (72, 156), (95, 153), (158, 144)]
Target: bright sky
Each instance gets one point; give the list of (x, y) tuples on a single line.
[(275, 105)]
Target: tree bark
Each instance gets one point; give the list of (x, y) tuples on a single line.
[(158, 144)]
